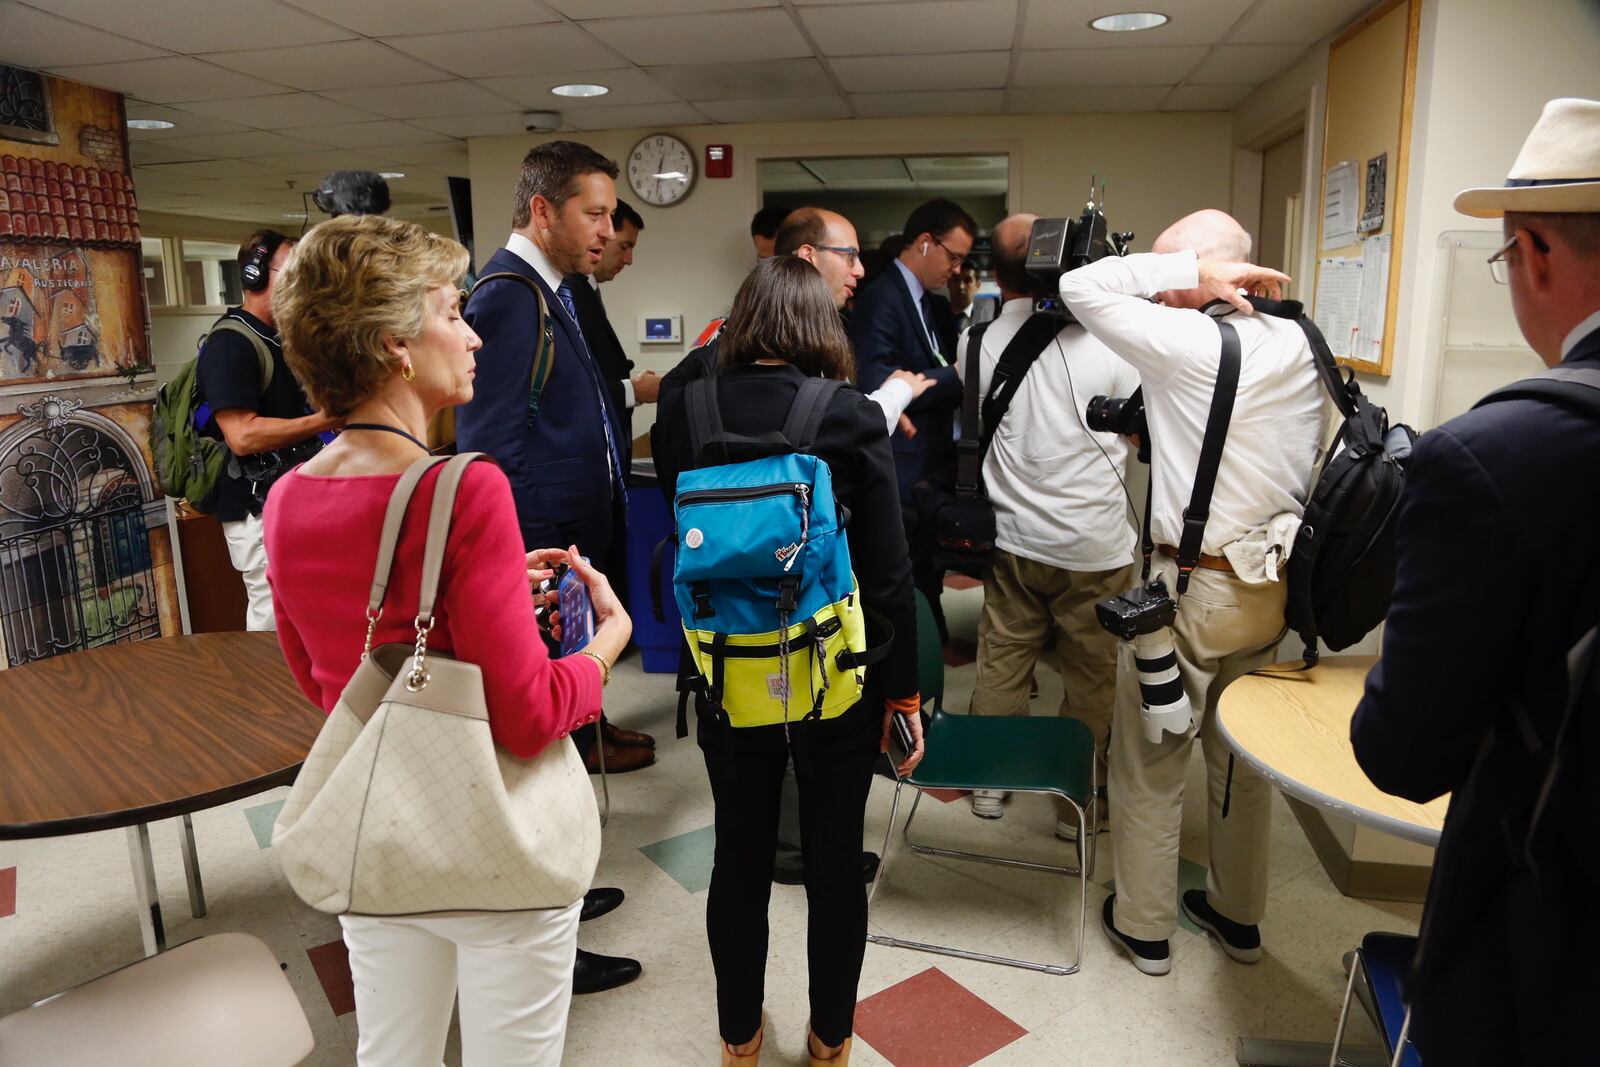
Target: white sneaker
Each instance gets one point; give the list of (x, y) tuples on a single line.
[(1066, 830), (988, 803)]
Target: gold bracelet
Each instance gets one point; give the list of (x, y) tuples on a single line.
[(605, 668)]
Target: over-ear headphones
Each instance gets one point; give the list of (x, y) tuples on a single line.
[(256, 271)]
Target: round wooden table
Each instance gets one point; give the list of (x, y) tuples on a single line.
[(1293, 729), (123, 735)]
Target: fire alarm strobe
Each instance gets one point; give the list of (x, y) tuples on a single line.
[(719, 161)]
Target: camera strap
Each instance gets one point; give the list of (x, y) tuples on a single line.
[(970, 446), (1195, 515)]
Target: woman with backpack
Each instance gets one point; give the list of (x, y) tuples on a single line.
[(782, 331)]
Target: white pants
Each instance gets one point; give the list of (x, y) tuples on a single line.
[(249, 556), (514, 972)]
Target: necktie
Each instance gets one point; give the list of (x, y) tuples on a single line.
[(617, 466), (927, 325)]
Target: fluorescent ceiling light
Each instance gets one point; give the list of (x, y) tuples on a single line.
[(150, 124), (391, 175), (1129, 21), (293, 215), (671, 175), (580, 89)]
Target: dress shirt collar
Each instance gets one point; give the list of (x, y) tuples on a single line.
[(530, 253), (1018, 307), (1579, 332), (912, 282), (594, 283)]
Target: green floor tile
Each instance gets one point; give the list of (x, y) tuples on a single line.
[(261, 817), (687, 857), (1190, 876)]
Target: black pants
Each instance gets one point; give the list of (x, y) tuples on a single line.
[(924, 575), (746, 768)]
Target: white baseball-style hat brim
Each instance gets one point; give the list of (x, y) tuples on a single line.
[(1558, 169)]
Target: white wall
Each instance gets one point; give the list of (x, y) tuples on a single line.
[(692, 256)]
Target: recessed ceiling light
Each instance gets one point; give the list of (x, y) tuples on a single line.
[(150, 124), (293, 215), (1129, 21), (391, 175), (580, 89)]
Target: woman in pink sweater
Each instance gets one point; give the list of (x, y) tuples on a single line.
[(372, 328)]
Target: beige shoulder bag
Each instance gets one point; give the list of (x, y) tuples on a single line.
[(404, 805)]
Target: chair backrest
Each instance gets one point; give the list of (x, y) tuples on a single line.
[(1387, 959), (220, 999), (930, 656)]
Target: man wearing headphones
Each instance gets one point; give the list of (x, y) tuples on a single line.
[(250, 401)]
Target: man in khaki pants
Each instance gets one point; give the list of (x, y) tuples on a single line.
[(1229, 622), (1062, 537)]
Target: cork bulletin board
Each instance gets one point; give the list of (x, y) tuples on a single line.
[(1360, 240)]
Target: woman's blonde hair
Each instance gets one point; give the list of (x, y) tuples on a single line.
[(351, 283)]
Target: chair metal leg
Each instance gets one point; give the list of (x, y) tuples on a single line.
[(883, 853), (1400, 1042), (1344, 1011), (144, 890), (191, 870)]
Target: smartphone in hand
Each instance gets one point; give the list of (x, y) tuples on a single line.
[(577, 612), (901, 743)]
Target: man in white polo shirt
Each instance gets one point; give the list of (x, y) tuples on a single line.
[(1062, 536), (1229, 621)]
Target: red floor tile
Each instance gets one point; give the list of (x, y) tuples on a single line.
[(959, 653), (960, 581), (332, 964), (931, 1020), (8, 891)]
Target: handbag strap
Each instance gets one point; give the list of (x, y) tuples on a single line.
[(444, 502), (393, 518)]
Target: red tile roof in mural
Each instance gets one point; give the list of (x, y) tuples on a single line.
[(58, 203)]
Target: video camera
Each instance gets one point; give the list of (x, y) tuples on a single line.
[(1058, 245)]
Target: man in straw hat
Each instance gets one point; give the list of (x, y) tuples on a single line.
[(1497, 578)]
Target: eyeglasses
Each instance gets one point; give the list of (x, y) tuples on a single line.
[(955, 260), (1500, 267), (849, 253)]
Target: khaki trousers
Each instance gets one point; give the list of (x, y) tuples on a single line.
[(1224, 630), (1022, 598)]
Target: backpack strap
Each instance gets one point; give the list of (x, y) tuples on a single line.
[(264, 361), (810, 404), (1205, 475), (544, 352), (1567, 384), (1015, 362), (969, 450), (705, 417)]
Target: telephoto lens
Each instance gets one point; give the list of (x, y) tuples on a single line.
[(1163, 705)]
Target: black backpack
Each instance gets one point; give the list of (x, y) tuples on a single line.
[(1341, 570)]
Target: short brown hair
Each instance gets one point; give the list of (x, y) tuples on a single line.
[(263, 238), (804, 226), (351, 283), (551, 170), (784, 310)]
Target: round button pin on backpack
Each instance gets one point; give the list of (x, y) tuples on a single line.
[(694, 538)]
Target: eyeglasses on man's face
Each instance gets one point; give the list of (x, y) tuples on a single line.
[(955, 260), (1500, 265), (849, 253)]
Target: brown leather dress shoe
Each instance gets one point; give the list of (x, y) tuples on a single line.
[(620, 759), (627, 738)]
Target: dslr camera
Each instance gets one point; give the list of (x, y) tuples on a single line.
[(1144, 616), (1122, 415)]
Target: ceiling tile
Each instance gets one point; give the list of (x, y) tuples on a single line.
[(444, 154), (933, 26), (185, 123), (328, 159), (363, 134), (858, 169), (1233, 64), (336, 65), (458, 97), (1106, 66), (509, 50), (745, 81), (752, 35), (787, 109), (167, 81), (1065, 24), (621, 118), (607, 9), (961, 70), (939, 102), (495, 124), (35, 39), (205, 168), (1297, 21), (1084, 98), (279, 110), (383, 18), (190, 26), (141, 154), (249, 143), (628, 85), (1206, 97)]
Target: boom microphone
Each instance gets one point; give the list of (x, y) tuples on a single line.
[(352, 192)]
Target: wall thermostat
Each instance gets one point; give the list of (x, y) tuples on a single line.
[(660, 329)]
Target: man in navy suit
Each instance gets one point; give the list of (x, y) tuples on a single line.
[(566, 459), (895, 327), (1495, 580)]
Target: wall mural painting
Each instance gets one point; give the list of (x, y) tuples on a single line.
[(85, 555)]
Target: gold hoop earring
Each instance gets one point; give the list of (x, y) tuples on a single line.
[(408, 372)]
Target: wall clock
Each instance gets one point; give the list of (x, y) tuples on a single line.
[(661, 169)]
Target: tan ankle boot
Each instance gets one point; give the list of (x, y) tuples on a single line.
[(752, 1058), (840, 1058)]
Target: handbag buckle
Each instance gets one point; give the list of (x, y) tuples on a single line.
[(417, 680)]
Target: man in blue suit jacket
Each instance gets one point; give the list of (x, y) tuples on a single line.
[(895, 327), (566, 459)]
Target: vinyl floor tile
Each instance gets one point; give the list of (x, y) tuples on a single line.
[(931, 1020)]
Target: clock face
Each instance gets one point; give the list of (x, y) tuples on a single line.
[(661, 169)]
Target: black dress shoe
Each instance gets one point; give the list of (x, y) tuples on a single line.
[(598, 902), (594, 973), (784, 875)]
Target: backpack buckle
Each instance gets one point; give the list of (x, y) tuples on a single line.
[(702, 600), (788, 593)]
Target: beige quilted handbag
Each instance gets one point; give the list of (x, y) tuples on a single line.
[(405, 806)]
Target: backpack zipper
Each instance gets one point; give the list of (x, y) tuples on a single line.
[(753, 492)]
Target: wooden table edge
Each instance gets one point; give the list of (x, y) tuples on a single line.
[(167, 809), (1400, 828)]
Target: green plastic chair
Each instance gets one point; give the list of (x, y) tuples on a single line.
[(1022, 754), (930, 656)]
